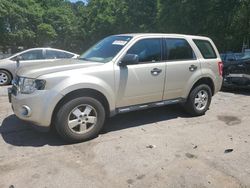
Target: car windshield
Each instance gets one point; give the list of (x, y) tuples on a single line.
[(105, 50)]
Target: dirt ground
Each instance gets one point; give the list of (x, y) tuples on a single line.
[(161, 147)]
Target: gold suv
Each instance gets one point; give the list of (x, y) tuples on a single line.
[(121, 73)]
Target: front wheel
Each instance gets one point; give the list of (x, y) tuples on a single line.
[(199, 100), (80, 119)]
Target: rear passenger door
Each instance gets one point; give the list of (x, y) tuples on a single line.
[(182, 68)]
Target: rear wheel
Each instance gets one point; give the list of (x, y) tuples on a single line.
[(199, 100), (80, 119), (5, 78)]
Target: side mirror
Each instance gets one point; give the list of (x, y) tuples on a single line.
[(129, 59), (18, 59)]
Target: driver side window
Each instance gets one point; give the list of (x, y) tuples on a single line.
[(32, 55), (148, 50)]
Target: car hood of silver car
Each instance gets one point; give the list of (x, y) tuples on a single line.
[(34, 71)]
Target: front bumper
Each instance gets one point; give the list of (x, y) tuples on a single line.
[(36, 108)]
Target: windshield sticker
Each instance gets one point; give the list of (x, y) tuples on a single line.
[(119, 42)]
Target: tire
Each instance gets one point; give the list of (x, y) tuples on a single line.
[(195, 106), (5, 78), (74, 125)]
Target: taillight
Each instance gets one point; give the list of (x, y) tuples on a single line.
[(220, 65)]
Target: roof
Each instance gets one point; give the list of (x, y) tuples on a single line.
[(47, 48), (162, 35)]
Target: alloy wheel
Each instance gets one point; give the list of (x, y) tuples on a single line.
[(3, 78), (201, 100), (82, 119)]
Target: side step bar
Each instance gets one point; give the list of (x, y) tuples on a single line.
[(148, 105)]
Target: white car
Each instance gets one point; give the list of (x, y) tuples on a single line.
[(28, 57)]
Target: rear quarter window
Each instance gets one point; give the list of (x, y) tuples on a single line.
[(206, 49)]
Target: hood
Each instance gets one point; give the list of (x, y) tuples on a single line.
[(34, 71), (4, 60)]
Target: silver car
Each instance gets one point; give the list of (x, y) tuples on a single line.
[(121, 73), (29, 57)]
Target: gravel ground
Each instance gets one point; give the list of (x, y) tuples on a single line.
[(160, 147)]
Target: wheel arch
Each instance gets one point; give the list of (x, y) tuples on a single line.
[(81, 93), (205, 80)]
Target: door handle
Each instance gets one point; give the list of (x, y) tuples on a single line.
[(193, 68), (156, 71)]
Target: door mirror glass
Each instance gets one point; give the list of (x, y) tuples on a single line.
[(129, 59)]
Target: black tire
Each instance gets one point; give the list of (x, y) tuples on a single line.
[(61, 121), (190, 106), (6, 78)]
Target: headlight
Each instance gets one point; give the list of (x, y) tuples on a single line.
[(30, 85)]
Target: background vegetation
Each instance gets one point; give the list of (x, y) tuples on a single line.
[(76, 26)]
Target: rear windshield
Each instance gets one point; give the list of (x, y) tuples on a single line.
[(206, 49)]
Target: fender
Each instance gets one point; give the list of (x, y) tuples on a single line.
[(193, 81), (90, 82)]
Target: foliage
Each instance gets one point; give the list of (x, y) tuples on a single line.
[(76, 26), (46, 34)]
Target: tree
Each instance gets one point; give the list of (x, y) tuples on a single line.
[(107, 17), (76, 26), (241, 24), (63, 21), (46, 34), (18, 22), (211, 18)]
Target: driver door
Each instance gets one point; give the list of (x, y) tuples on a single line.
[(143, 82)]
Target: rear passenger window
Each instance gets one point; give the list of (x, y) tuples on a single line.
[(206, 49), (53, 54), (68, 55), (179, 49)]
